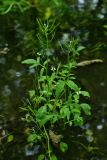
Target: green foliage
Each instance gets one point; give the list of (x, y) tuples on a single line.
[(34, 137), (52, 99), (56, 97), (46, 33), (10, 138), (32, 62), (63, 147), (54, 7), (12, 5), (53, 157), (41, 157)]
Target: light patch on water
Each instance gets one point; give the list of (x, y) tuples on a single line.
[(99, 126), (101, 16), (17, 83), (89, 138), (18, 74), (3, 60), (31, 70), (103, 120), (89, 135), (12, 73), (102, 84), (95, 1), (6, 91), (31, 151), (86, 126), (19, 58), (4, 50), (104, 105), (81, 1), (81, 4), (65, 38), (3, 133)]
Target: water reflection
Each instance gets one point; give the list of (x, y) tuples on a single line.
[(2, 60), (100, 126), (6, 91)]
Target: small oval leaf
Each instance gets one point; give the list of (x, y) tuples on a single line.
[(63, 147)]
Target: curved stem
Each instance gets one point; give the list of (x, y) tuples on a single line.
[(48, 142)]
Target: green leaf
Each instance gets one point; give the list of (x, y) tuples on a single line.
[(42, 99), (70, 123), (76, 98), (105, 26), (72, 85), (85, 93), (80, 48), (41, 157), (65, 112), (53, 157), (42, 78), (63, 147), (10, 138), (32, 93), (59, 88), (41, 72), (44, 119), (78, 120), (42, 116), (86, 108), (33, 137), (31, 62), (55, 118)]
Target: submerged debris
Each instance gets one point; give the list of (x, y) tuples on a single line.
[(54, 137), (88, 62)]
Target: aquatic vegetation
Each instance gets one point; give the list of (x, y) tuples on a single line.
[(55, 98)]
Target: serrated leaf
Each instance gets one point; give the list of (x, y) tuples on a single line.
[(72, 85), (59, 88), (86, 108), (63, 147)]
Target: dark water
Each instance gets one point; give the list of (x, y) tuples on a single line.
[(16, 79), (94, 79)]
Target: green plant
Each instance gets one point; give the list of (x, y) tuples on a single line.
[(46, 33), (13, 5), (55, 100)]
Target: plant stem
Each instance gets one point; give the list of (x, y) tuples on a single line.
[(48, 142)]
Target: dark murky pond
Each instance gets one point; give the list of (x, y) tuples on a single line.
[(15, 80)]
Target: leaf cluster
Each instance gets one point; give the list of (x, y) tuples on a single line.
[(56, 96)]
